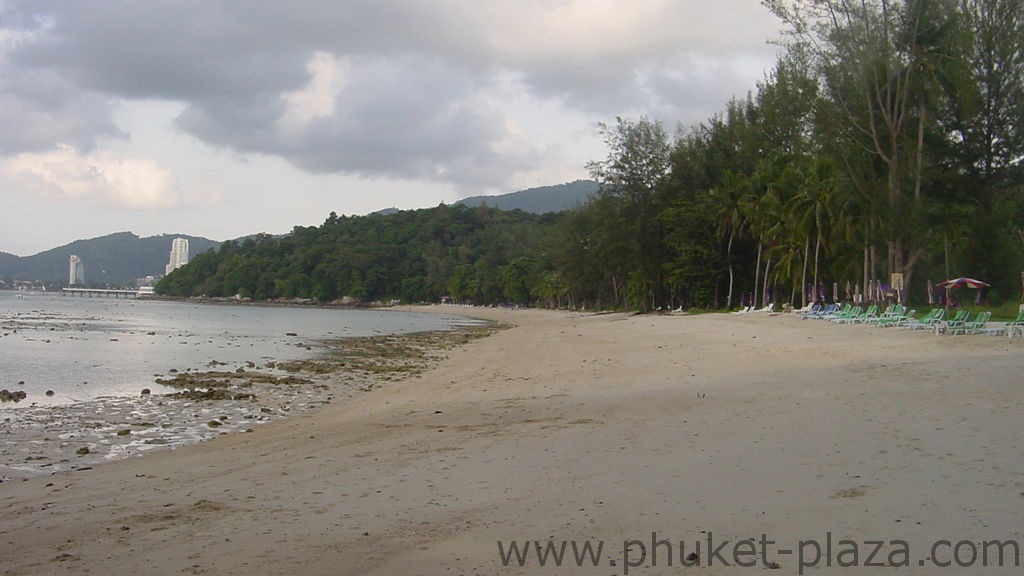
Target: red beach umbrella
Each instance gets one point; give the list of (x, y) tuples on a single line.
[(963, 282)]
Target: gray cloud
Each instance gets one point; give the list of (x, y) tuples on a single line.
[(167, 50), (408, 95), (410, 117), (39, 108)]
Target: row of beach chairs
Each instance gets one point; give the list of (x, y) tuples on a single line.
[(769, 308), (893, 316), (897, 315)]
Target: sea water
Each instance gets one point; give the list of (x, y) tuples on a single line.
[(82, 348)]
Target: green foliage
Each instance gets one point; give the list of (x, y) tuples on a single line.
[(885, 140), (480, 255)]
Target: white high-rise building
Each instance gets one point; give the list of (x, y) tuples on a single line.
[(76, 271), (179, 255)]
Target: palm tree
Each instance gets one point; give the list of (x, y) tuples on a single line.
[(812, 210), (730, 218), (763, 213)]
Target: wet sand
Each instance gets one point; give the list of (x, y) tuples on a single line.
[(599, 428)]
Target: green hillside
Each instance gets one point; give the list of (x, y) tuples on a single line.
[(539, 200), (112, 260), (481, 255)]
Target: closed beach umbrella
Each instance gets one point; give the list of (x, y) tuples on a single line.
[(931, 296), (849, 292), (835, 291)]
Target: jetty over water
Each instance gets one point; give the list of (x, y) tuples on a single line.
[(107, 293)]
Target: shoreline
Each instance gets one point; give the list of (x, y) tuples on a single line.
[(45, 327), (202, 405), (574, 428)]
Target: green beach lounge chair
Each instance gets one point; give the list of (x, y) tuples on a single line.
[(969, 326), (958, 322), (928, 321)]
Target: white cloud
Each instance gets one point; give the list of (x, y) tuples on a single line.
[(318, 98), (65, 174)]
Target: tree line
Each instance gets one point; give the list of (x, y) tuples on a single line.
[(886, 140), (479, 255)]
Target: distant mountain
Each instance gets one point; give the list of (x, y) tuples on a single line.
[(7, 259), (115, 260), (539, 200)]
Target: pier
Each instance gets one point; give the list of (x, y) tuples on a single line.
[(106, 293)]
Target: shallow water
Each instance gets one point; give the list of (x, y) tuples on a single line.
[(82, 349)]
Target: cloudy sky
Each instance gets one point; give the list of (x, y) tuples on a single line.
[(221, 118)]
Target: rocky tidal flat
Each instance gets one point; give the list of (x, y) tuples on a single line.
[(207, 403)]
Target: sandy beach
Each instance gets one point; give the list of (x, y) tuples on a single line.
[(569, 428)]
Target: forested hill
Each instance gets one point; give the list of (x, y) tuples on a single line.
[(540, 200), (478, 254), (111, 260), (7, 260)]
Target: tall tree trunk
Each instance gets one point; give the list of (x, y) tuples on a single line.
[(728, 259), (757, 274), (803, 278), (874, 265), (945, 242), (922, 110), (867, 270), (817, 251)]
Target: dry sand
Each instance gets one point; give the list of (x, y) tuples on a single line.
[(578, 428)]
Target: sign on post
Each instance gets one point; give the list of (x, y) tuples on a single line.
[(896, 281)]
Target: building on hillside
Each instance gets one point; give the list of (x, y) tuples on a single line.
[(179, 255), (76, 271), (148, 280)]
